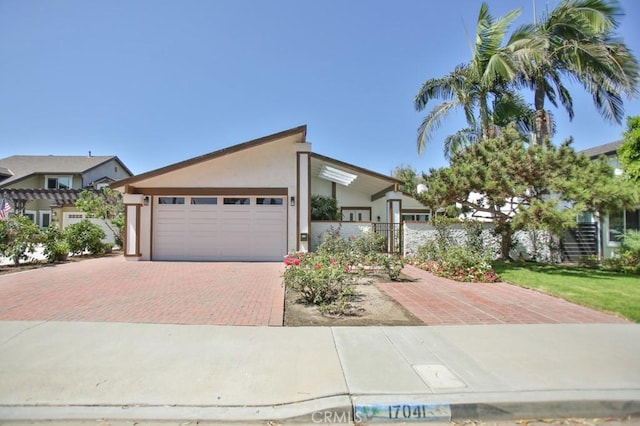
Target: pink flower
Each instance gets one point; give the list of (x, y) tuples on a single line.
[(296, 262), (287, 261), (318, 266)]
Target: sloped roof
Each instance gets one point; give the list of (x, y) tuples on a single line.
[(606, 149), (301, 131), (21, 166)]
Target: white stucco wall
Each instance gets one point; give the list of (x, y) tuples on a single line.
[(346, 229), (418, 234)]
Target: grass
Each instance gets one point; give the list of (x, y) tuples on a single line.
[(612, 292)]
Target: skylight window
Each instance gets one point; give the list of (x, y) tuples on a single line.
[(336, 175)]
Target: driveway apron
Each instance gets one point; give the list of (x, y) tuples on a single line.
[(440, 301), (116, 290)]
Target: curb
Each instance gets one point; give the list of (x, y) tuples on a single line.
[(343, 409), (501, 406)]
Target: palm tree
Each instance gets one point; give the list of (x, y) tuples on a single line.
[(575, 41), (471, 86)]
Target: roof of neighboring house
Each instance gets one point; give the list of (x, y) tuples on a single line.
[(21, 166), (606, 149)]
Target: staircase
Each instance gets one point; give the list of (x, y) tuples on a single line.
[(579, 242)]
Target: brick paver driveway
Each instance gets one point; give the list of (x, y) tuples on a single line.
[(113, 289), (439, 301)]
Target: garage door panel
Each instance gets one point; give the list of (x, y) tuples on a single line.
[(254, 228)]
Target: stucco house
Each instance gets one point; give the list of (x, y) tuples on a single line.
[(46, 187), (613, 225), (251, 202)]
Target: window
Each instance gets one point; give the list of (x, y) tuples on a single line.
[(415, 217), (351, 214), (62, 182), (269, 201), (622, 221), (238, 201), (204, 200), (170, 200)]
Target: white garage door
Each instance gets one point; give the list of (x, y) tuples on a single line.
[(219, 228)]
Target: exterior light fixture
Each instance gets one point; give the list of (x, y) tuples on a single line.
[(293, 201), (145, 200)]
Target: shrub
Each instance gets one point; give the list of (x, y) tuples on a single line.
[(368, 243), (627, 257), (324, 208), (55, 248), (84, 236), (467, 262), (319, 278), (18, 236)]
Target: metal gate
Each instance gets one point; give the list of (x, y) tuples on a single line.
[(392, 232)]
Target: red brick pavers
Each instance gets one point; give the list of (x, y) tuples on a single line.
[(114, 289), (440, 301)]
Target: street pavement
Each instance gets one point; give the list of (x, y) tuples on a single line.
[(88, 371)]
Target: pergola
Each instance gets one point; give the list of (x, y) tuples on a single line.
[(57, 197)]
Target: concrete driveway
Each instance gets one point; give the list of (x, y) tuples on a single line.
[(115, 290)]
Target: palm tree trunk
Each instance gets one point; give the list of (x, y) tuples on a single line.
[(541, 125)]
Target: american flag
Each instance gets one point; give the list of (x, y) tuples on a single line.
[(5, 207)]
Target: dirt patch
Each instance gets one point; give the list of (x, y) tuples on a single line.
[(370, 306)]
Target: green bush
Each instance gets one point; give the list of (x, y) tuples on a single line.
[(626, 258), (319, 278), (84, 236), (18, 237), (55, 248), (468, 262), (324, 208)]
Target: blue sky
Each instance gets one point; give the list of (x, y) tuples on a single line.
[(157, 81)]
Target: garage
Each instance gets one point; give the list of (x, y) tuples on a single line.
[(223, 228)]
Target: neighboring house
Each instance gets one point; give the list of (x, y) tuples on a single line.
[(46, 187), (609, 227), (252, 202)]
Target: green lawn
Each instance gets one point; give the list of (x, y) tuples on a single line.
[(606, 291)]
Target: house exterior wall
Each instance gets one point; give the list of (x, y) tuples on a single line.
[(35, 181), (345, 230), (111, 168), (270, 165)]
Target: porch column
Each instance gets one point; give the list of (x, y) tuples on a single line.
[(303, 203), (394, 213), (132, 203)]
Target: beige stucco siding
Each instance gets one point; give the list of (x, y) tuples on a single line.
[(269, 165)]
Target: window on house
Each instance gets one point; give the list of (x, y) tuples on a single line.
[(415, 217), (170, 200), (59, 182), (269, 201), (356, 215), (204, 200), (632, 220), (621, 222), (236, 200)]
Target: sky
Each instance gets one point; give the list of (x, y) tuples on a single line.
[(158, 81)]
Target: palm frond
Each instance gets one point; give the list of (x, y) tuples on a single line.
[(431, 122)]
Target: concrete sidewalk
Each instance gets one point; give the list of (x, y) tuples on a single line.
[(85, 371)]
